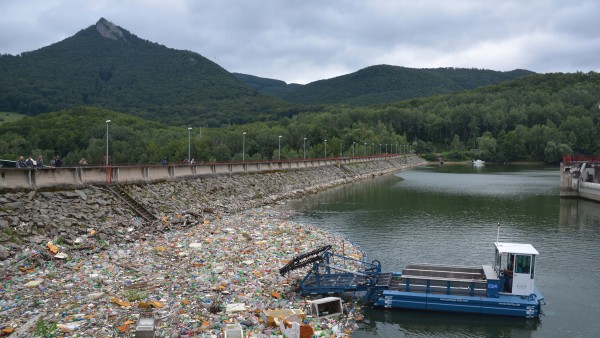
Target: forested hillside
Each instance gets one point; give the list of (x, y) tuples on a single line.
[(106, 66), (152, 94), (381, 84), (539, 117), (536, 118), (268, 86)]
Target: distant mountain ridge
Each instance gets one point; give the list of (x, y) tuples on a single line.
[(381, 84), (105, 65)]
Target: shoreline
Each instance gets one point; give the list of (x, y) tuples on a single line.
[(202, 261)]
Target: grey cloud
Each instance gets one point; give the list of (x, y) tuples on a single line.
[(303, 41)]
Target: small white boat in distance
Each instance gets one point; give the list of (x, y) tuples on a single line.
[(478, 163)]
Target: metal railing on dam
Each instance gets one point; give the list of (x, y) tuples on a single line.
[(47, 177)]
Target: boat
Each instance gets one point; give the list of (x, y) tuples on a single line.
[(478, 163), (506, 287)]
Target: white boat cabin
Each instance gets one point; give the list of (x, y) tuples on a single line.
[(516, 262)]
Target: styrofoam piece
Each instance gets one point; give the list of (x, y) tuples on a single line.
[(233, 331), (145, 328), (275, 316), (326, 307), (235, 307), (290, 329)]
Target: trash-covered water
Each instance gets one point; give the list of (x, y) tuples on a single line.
[(207, 277)]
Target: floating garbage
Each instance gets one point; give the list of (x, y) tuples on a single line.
[(216, 279)]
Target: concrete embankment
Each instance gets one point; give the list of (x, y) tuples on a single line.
[(210, 261)]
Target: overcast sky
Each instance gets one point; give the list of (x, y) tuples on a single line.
[(307, 40)]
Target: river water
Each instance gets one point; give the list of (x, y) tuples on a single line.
[(449, 215)]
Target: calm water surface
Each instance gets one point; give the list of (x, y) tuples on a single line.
[(449, 215)]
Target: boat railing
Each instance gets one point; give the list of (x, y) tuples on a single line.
[(443, 274), (444, 271), (443, 285)]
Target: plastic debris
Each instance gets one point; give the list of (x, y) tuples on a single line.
[(213, 279)]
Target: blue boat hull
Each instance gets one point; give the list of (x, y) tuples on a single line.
[(506, 305)]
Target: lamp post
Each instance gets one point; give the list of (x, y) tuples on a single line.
[(243, 146), (386, 148), (305, 148), (353, 145), (380, 148), (107, 122), (325, 148), (373, 149), (189, 143), (279, 154)]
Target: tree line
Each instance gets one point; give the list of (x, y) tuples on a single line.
[(536, 118)]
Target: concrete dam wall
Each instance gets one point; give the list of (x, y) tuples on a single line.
[(40, 178)]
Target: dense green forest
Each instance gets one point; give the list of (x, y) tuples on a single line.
[(535, 118), (381, 84)]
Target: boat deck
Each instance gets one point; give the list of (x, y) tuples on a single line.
[(441, 279)]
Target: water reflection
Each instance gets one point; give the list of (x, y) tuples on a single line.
[(579, 212), (400, 323)]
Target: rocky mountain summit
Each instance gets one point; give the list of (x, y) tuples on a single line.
[(109, 30)]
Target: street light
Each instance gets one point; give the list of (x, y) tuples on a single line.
[(305, 148), (189, 143), (373, 148), (386, 148), (365, 150), (380, 148), (243, 146), (325, 148), (279, 154), (353, 145), (107, 122)]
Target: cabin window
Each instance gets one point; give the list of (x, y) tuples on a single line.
[(523, 264), (532, 266)]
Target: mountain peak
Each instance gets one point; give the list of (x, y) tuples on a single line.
[(109, 30)]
